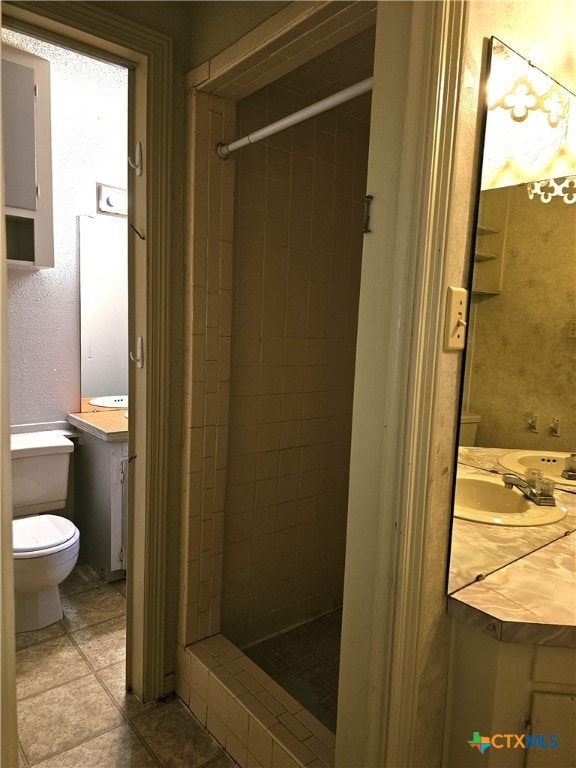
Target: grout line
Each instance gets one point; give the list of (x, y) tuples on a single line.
[(216, 759), (96, 735), (91, 673), (87, 674)]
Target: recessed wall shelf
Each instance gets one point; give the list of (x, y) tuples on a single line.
[(483, 230), (490, 241)]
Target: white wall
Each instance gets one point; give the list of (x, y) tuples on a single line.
[(89, 115)]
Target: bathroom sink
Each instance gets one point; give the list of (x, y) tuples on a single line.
[(550, 462), (486, 500), (110, 401)]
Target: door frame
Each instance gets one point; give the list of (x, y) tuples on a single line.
[(405, 262), (148, 54), (387, 619)]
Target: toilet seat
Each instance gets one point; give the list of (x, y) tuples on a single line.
[(42, 535)]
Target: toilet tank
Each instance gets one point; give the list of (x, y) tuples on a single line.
[(40, 462), (468, 426)]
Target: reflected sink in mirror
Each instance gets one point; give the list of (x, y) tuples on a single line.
[(487, 500), (110, 401), (551, 463)]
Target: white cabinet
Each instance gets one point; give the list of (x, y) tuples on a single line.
[(504, 690), (27, 159), (553, 713), (100, 504)]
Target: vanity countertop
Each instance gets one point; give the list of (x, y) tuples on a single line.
[(515, 584), (109, 424), (532, 600)]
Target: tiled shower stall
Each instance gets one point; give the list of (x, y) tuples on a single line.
[(275, 238), (297, 258)]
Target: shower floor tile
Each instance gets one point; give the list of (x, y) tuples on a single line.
[(305, 661)]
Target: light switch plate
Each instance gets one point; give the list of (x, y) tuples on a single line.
[(455, 323)]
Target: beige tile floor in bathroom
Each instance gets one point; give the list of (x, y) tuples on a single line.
[(73, 711)]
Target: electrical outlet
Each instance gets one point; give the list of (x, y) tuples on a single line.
[(555, 426), (532, 421), (571, 334)]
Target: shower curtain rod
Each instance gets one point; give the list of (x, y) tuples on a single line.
[(225, 150)]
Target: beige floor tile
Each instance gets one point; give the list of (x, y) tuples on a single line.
[(114, 679), (85, 609), (26, 639), (120, 747), (61, 718), (103, 644), (223, 761), (176, 737), (46, 665), (82, 578), (120, 586)]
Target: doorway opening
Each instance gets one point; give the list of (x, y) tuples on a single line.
[(382, 607), (271, 407), (147, 56), (69, 340)]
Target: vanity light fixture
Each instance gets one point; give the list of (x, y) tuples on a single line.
[(528, 115), (546, 190), (523, 97), (527, 122)]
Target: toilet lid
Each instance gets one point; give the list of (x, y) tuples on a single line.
[(30, 534)]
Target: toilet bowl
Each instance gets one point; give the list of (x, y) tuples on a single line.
[(468, 427), (45, 546)]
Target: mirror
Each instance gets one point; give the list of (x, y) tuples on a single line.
[(519, 384), (103, 256)]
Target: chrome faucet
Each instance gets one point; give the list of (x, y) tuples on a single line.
[(515, 481)]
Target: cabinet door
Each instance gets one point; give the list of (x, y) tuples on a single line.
[(19, 135), (26, 137), (552, 714)]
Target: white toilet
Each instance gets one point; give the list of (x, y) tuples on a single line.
[(468, 427), (45, 546)]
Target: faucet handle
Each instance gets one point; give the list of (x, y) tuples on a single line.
[(545, 486), (533, 476)]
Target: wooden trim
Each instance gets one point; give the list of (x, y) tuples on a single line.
[(296, 34), (417, 58), (149, 54), (8, 718), (438, 32)]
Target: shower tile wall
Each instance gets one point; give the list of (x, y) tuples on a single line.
[(205, 396), (297, 259)]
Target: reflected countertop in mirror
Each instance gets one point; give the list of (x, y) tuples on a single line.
[(479, 549), (109, 424), (528, 601)]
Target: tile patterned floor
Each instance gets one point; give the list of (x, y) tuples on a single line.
[(305, 661), (73, 711)]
